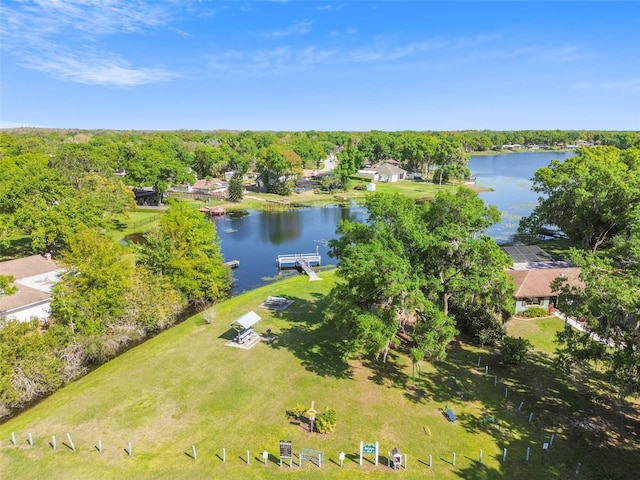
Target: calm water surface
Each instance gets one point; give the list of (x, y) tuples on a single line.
[(509, 176), (258, 238)]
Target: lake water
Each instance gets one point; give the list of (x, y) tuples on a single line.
[(509, 176), (257, 239)]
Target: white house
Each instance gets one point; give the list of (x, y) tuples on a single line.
[(34, 277), (388, 172), (384, 172), (213, 185)]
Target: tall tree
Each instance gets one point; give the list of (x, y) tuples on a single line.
[(185, 247), (89, 297), (276, 168), (404, 268), (419, 151), (50, 205), (587, 196), (350, 159)]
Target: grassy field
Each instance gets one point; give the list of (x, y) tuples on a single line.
[(184, 387)]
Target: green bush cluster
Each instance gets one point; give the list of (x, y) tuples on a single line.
[(535, 312), (297, 411), (326, 421)]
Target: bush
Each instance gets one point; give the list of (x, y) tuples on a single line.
[(297, 411), (535, 312), (326, 421), (514, 349)]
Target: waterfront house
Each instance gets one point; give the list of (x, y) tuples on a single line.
[(533, 271), (384, 172), (533, 286)]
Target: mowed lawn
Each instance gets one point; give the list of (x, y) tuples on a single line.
[(184, 387)]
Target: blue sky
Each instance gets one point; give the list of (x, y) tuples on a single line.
[(323, 65)]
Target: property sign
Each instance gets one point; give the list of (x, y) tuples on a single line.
[(369, 448), (285, 448)]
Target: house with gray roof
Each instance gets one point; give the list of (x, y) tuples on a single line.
[(384, 172)]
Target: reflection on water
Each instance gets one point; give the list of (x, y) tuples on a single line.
[(510, 177), (258, 238), (281, 227)]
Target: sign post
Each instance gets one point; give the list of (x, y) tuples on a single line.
[(369, 448), (286, 451), (312, 415)]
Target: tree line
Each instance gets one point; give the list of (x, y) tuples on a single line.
[(109, 297)]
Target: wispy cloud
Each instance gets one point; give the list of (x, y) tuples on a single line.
[(378, 53), (62, 38), (98, 68), (294, 29), (538, 53), (624, 86), (331, 6)]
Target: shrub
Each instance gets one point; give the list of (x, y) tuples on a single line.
[(297, 411), (326, 421), (535, 312), (514, 349)]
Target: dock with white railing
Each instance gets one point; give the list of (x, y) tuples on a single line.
[(305, 261)]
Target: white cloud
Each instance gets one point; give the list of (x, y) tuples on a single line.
[(95, 69), (294, 29), (330, 6), (381, 54), (295, 58), (62, 37)]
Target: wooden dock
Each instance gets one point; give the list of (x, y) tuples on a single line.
[(305, 261), (213, 211), (233, 263)]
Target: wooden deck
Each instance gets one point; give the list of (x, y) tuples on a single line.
[(213, 211)]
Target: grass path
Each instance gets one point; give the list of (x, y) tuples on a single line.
[(184, 387)]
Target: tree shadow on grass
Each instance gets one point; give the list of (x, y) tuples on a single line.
[(388, 372), (313, 342), (603, 441)]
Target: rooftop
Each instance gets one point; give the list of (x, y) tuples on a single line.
[(527, 254)]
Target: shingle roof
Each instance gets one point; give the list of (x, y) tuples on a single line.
[(537, 282), (34, 277), (388, 169), (28, 266)]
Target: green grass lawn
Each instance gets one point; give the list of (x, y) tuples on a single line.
[(541, 332), (134, 221), (184, 387)]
